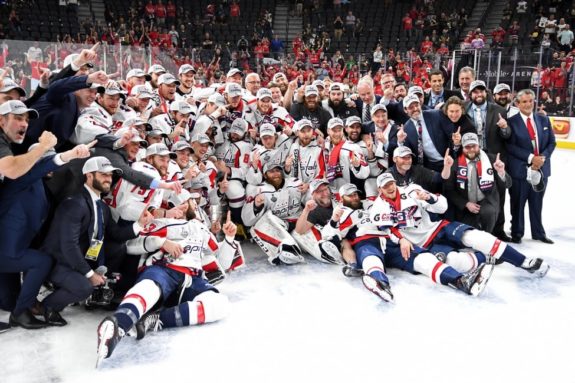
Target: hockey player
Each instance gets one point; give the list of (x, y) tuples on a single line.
[(405, 211), (139, 101), (374, 250), (166, 94), (210, 117), (305, 160), (237, 107), (175, 280), (336, 104), (345, 163), (233, 160), (265, 112), (186, 73), (379, 128), (274, 147), (273, 212)]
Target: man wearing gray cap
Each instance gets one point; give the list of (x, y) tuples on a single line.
[(336, 103), (81, 226), (503, 97), (265, 112), (305, 160), (272, 211), (187, 74), (474, 185)]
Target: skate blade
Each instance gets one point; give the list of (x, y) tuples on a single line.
[(371, 284), (106, 331), (482, 279), (543, 270)]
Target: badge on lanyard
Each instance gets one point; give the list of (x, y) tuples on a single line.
[(94, 250)]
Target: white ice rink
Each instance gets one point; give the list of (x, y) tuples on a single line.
[(308, 323)]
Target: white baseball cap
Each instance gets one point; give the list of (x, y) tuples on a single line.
[(348, 189), (156, 68), (138, 73), (402, 151), (271, 165), (181, 145), (377, 108), (142, 91), (135, 135), (135, 121), (99, 164), (267, 129), (233, 89), (311, 90), (410, 99), (181, 106), (415, 90), (10, 84), (233, 72), (384, 179), (217, 99), (202, 138), (263, 93), (333, 122), (477, 84), (469, 139), (501, 87), (167, 78), (159, 149), (336, 86), (315, 184), (239, 126), (185, 69), (352, 120), (112, 88), (17, 107), (317, 83), (299, 125), (278, 75)]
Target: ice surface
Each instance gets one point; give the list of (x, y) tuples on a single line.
[(309, 323)]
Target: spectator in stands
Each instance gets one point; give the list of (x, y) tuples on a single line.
[(235, 11), (466, 77), (337, 28), (277, 47), (349, 22), (565, 39)]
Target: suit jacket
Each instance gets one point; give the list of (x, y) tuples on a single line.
[(496, 137), (446, 94), (519, 146), (58, 112), (72, 230), (23, 208), (438, 130), (359, 104)]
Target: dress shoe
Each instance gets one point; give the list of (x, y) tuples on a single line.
[(53, 318), (516, 239), (544, 240), (503, 237), (4, 327), (27, 321)]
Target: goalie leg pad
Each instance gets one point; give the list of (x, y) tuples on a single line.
[(271, 234)]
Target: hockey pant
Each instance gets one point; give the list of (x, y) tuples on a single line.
[(460, 235), (421, 261), (322, 250), (195, 301), (271, 234)]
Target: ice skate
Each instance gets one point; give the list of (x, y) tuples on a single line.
[(474, 282), (108, 338), (149, 322), (379, 288), (536, 266)]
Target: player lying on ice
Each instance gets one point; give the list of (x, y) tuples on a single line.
[(377, 249), (173, 281), (405, 212)]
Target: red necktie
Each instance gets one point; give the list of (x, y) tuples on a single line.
[(532, 136)]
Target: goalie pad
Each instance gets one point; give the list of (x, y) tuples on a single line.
[(270, 233)]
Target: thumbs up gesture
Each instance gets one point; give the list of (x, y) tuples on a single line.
[(337, 213), (401, 135), (229, 227), (456, 137), (499, 166), (501, 122)]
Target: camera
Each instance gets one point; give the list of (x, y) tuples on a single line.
[(103, 294)]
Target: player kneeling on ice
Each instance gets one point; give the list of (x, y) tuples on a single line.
[(175, 281), (405, 211), (376, 249), (273, 212)]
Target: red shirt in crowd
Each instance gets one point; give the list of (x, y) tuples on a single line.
[(407, 23), (150, 9), (160, 11), (171, 10), (234, 10)]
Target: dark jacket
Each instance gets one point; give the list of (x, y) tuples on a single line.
[(496, 137)]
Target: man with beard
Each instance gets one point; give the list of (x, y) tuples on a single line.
[(98, 119), (502, 97), (166, 94), (407, 173), (472, 188), (311, 110), (399, 91), (174, 278), (491, 126), (305, 160), (282, 81), (345, 161), (423, 134), (265, 112), (77, 235), (187, 74), (377, 248), (272, 211), (335, 103), (438, 94), (155, 71), (406, 213), (273, 147)]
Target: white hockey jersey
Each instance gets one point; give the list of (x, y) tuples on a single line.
[(92, 122), (201, 249), (355, 226), (308, 162), (278, 116), (408, 217), (236, 156), (127, 201), (285, 203), (275, 155)]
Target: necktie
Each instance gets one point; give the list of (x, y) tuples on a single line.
[(479, 125), (419, 142), (100, 219), (531, 131), (472, 186), (366, 113)]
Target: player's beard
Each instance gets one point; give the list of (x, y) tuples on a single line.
[(356, 204), (191, 213), (100, 186)]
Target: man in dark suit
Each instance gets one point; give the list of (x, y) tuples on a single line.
[(424, 134), (530, 147), (437, 94), (474, 183), (366, 101), (76, 239), (397, 111), (493, 132)]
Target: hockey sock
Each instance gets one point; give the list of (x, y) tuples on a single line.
[(206, 307), (138, 300), (373, 266), (427, 264)]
